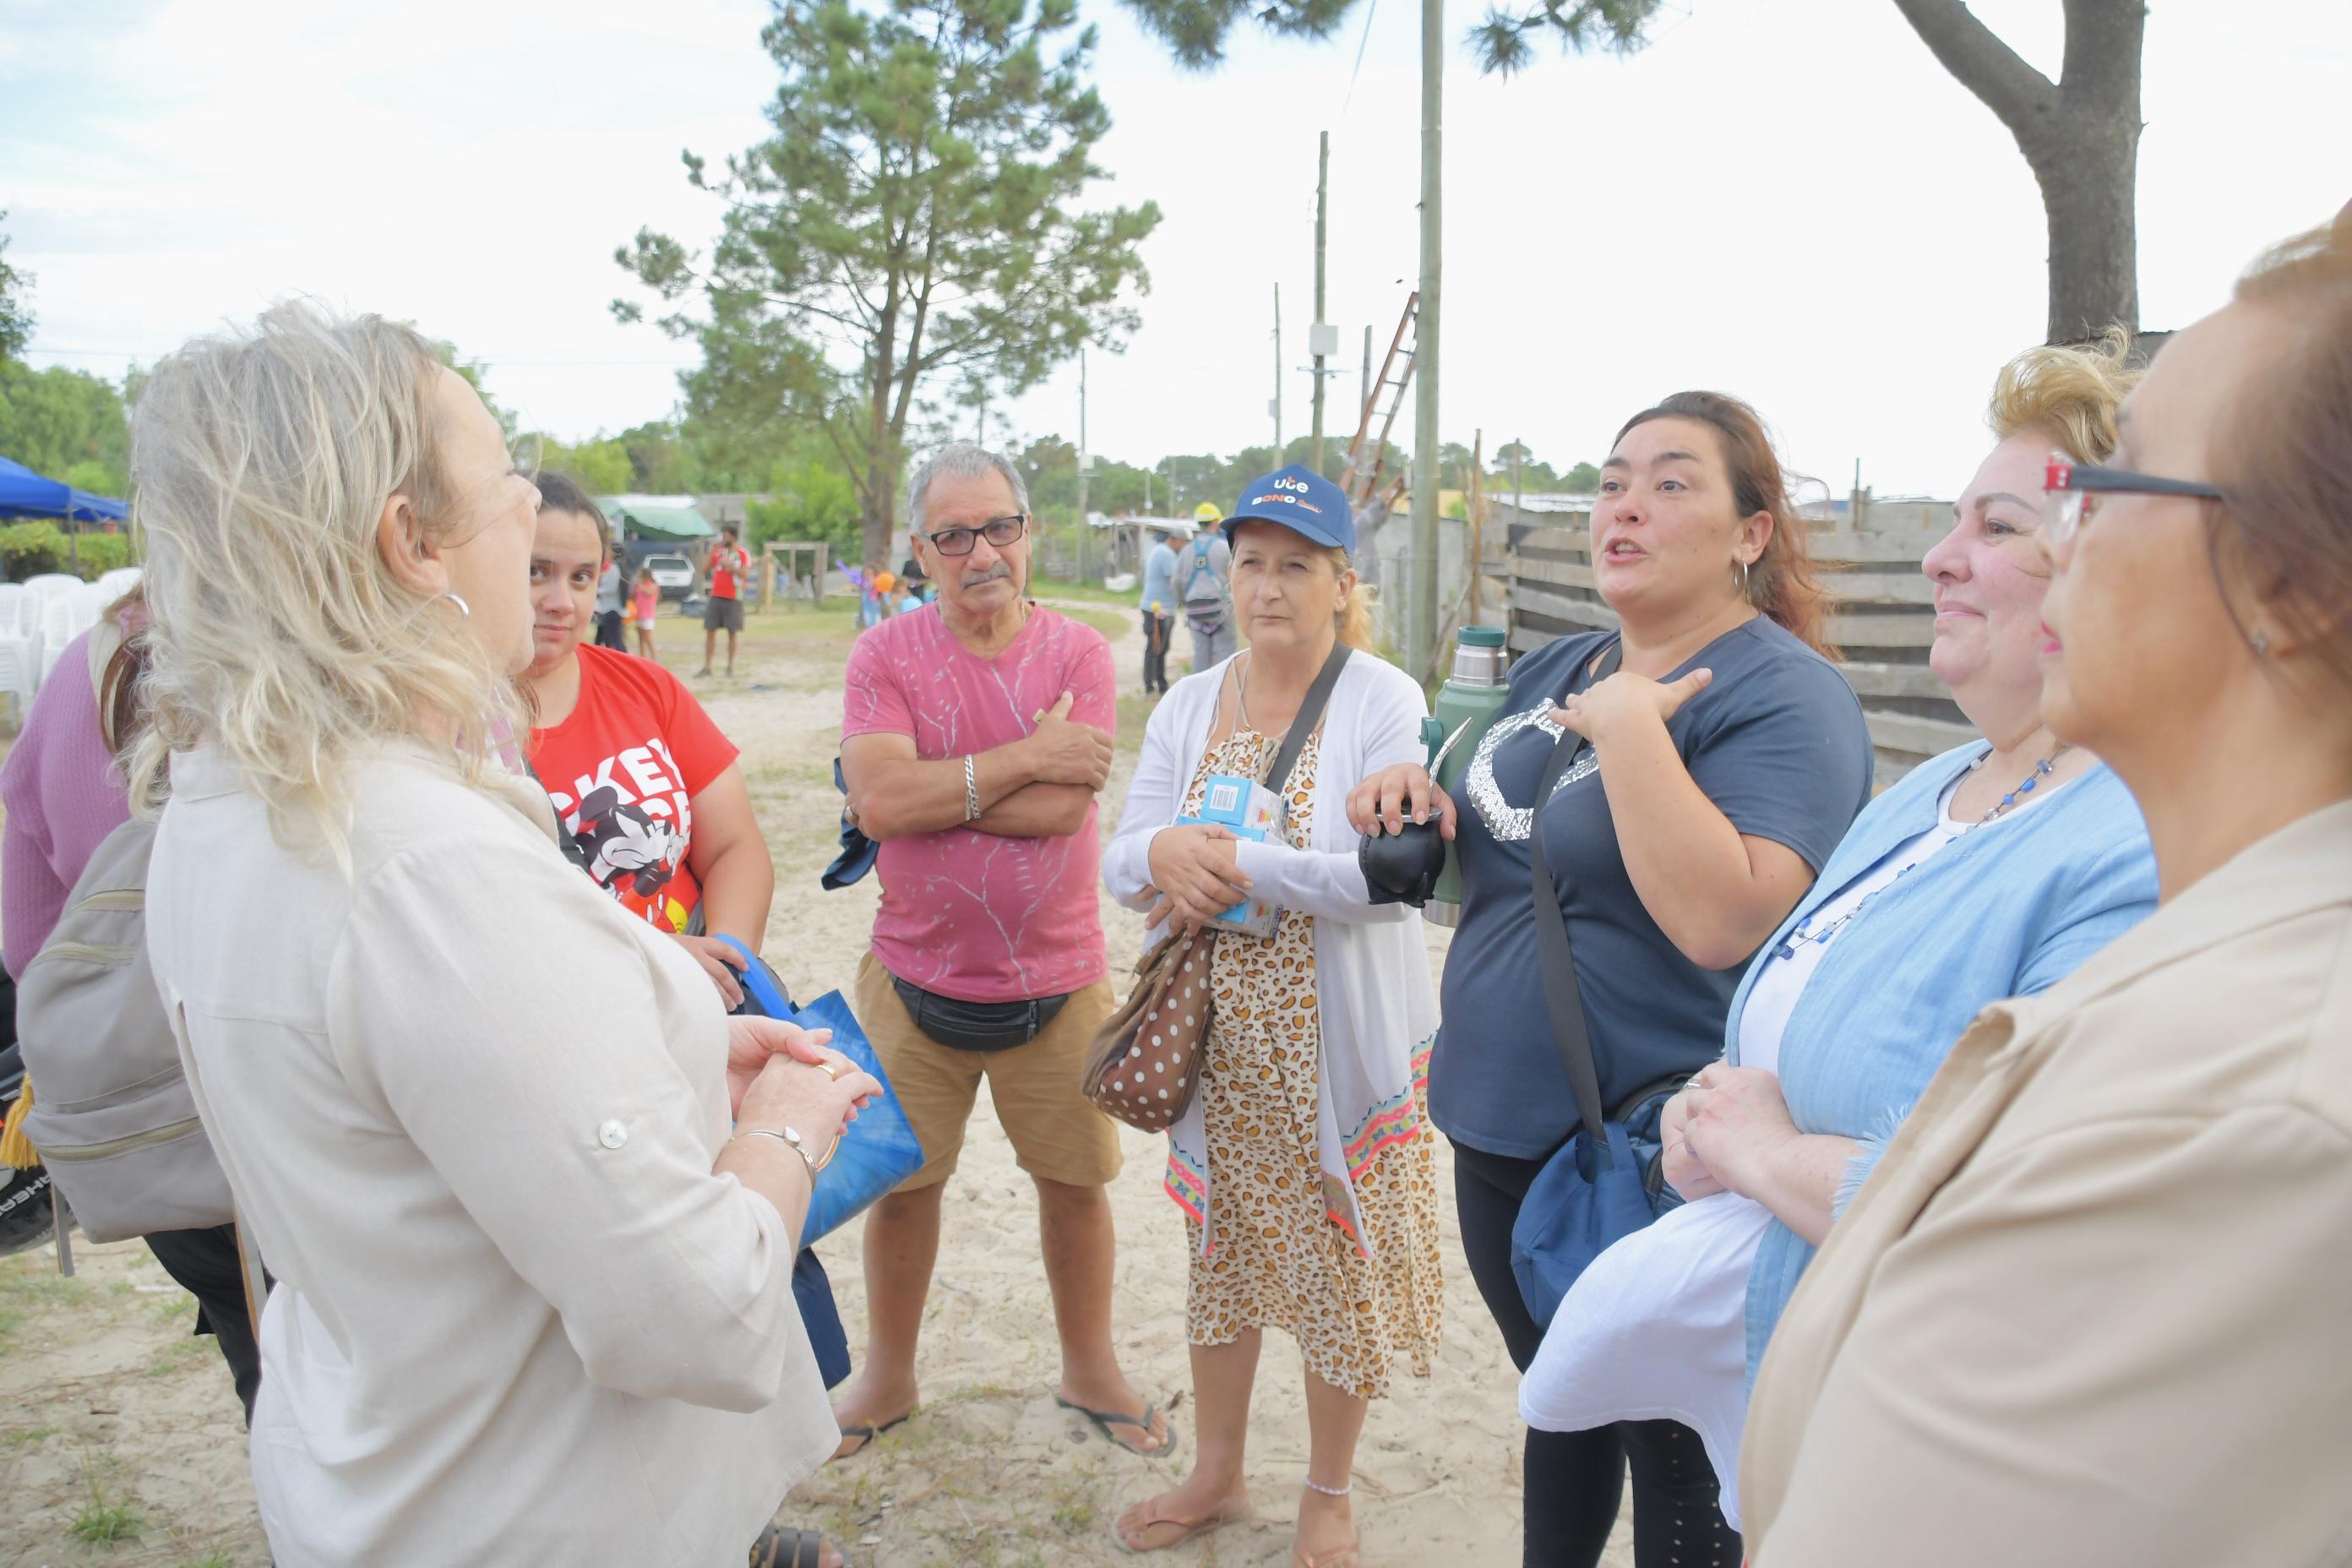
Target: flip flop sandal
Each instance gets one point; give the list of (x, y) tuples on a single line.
[(1350, 1556), (779, 1548), (1193, 1530), (865, 1436), (1105, 1420)]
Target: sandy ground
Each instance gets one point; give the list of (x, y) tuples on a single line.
[(111, 1420)]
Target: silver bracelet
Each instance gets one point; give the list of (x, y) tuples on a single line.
[(971, 790), (790, 1138), (1315, 1486)]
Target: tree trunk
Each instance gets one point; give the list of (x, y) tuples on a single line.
[(2081, 137)]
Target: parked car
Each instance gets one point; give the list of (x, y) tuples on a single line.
[(675, 577)]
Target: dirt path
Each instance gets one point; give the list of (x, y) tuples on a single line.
[(105, 1405)]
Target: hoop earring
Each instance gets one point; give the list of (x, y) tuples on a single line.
[(1743, 580), (464, 609)]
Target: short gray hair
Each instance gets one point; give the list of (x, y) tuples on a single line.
[(961, 460)]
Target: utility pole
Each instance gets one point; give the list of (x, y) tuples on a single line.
[(1420, 615), (1083, 530), (1277, 405), (1320, 332), (1364, 382)]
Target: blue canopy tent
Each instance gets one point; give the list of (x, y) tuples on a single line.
[(24, 493)]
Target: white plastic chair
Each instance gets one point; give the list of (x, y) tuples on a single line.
[(120, 581), (88, 605), (20, 646), (56, 626), (18, 658), (48, 585)]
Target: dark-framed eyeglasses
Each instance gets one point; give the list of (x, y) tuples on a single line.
[(2071, 492), (998, 531)]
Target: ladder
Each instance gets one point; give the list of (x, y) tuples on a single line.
[(1372, 491)]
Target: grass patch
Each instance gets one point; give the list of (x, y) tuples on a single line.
[(176, 1356), (28, 1436), (1086, 593), (102, 1521), (47, 1287), (168, 1309), (1103, 621)]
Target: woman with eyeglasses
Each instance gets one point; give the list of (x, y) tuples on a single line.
[(2090, 1308), (1994, 870)]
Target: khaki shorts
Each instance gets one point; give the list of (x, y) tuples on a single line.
[(1057, 1134)]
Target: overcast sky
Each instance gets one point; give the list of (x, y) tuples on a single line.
[(1787, 199)]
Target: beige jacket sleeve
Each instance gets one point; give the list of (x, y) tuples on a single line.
[(2011, 1388), (519, 1047)]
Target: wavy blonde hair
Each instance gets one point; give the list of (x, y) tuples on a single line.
[(262, 462), (2074, 395), (1355, 616)]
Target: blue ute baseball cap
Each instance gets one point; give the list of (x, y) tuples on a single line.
[(1300, 499)]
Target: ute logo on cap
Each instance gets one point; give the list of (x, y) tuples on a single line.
[(1290, 484)]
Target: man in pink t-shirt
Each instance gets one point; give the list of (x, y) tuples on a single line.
[(976, 732)]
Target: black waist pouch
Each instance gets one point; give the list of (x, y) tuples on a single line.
[(976, 1026)]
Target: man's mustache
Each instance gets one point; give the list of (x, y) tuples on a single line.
[(1001, 571)]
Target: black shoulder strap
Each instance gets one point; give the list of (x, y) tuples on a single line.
[(1569, 1031), (1310, 713)]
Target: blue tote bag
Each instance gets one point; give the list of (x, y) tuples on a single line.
[(879, 1149)]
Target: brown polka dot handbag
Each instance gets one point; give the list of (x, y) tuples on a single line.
[(1145, 1064)]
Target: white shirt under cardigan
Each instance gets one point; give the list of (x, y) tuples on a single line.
[(469, 1108), (1378, 1007), (1656, 1327)]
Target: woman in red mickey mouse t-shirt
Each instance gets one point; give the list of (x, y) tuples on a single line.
[(646, 786)]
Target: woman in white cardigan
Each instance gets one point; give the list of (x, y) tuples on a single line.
[(1305, 1165), (534, 1299)]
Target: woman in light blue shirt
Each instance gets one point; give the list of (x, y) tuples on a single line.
[(1990, 871)]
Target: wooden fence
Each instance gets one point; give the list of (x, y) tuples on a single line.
[(1540, 573)]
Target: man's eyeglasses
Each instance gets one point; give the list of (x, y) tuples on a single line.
[(998, 531), (2069, 492)]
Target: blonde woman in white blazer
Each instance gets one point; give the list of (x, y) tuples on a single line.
[(1305, 1166), (531, 1198)]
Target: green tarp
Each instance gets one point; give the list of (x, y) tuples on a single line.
[(657, 521)]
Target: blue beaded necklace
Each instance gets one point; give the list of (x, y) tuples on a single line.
[(1804, 933)]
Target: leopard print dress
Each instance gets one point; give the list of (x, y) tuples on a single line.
[(1281, 1259)]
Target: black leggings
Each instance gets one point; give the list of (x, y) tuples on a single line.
[(1575, 1481), (1155, 628)]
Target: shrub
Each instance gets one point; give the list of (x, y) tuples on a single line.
[(100, 553), (29, 549)]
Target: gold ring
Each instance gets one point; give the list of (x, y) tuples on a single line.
[(829, 1070)]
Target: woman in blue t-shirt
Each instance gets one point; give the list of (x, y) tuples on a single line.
[(1722, 758)]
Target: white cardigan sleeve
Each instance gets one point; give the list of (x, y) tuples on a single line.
[(1378, 727)]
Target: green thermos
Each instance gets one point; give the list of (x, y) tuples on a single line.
[(1467, 704)]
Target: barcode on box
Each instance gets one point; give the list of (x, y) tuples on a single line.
[(1225, 797)]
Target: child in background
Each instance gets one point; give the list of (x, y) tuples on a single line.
[(644, 608)]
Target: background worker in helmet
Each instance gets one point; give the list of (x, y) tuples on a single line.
[(1204, 586)]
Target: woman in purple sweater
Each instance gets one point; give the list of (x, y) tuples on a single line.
[(63, 796)]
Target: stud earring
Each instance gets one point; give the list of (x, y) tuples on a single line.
[(2260, 643)]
